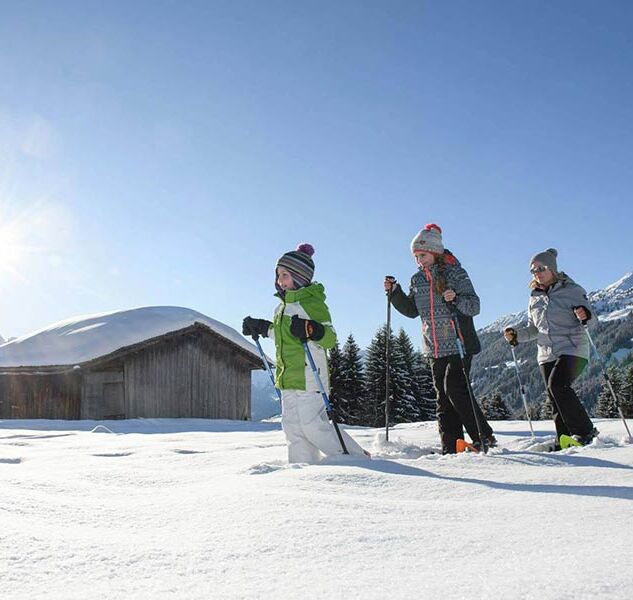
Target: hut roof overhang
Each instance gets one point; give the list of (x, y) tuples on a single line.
[(91, 340)]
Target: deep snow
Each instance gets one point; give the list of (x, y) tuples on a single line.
[(210, 509), (84, 338)]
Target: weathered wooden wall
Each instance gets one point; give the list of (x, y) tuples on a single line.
[(50, 396), (189, 375), (194, 376), (103, 395)]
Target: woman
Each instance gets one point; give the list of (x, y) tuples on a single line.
[(557, 310), (441, 292)]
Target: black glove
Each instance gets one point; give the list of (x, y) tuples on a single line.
[(306, 329), (511, 336), (584, 322), (390, 284), (255, 327)]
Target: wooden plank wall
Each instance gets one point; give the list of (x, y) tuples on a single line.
[(103, 395), (221, 382), (40, 396), (192, 376)]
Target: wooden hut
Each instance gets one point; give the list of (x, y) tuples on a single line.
[(179, 364)]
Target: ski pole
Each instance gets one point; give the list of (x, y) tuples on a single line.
[(608, 380), (462, 355), (522, 389), (265, 361), (328, 406), (387, 356)]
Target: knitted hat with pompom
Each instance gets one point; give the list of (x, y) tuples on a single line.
[(299, 264), (428, 240)]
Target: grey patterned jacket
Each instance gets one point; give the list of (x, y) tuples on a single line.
[(553, 323), (438, 333)]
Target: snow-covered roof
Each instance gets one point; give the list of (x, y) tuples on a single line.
[(81, 339)]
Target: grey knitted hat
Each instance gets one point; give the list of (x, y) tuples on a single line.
[(547, 258), (428, 240)]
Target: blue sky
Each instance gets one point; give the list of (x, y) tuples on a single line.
[(166, 153)]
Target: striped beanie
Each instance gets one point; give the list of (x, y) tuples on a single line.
[(299, 264), (428, 240)]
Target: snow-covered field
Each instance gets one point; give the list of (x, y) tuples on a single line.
[(210, 509)]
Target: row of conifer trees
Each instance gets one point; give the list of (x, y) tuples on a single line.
[(358, 386)]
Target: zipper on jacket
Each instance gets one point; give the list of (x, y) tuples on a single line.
[(281, 343), (429, 278)]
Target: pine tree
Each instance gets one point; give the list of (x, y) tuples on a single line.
[(545, 410), (484, 402), (406, 407), (424, 389), (606, 407), (626, 399), (336, 383), (495, 408), (402, 407), (375, 380), (352, 381)]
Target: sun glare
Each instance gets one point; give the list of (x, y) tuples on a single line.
[(13, 248)]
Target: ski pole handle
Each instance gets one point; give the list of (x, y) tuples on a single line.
[(391, 280)]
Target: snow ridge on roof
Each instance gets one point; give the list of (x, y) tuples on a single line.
[(80, 339)]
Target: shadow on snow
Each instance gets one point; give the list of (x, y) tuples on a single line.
[(606, 491)]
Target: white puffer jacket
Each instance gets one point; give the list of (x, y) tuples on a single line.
[(553, 323)]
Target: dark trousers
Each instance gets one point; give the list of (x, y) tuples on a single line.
[(570, 416), (454, 409)]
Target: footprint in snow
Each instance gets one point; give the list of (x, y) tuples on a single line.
[(270, 467), (113, 454)]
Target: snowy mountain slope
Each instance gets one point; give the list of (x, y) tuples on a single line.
[(184, 509), (615, 301), (80, 339), (612, 332), (611, 303), (264, 401), (2, 340)]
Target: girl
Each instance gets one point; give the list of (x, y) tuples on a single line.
[(441, 291), (302, 316), (557, 310)]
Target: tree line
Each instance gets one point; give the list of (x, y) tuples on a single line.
[(358, 383), (358, 386)]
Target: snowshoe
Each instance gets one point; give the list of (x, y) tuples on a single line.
[(567, 441), (462, 445)]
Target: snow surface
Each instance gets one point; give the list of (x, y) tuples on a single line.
[(210, 509), (84, 338)]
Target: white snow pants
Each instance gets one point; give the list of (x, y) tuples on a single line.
[(308, 429)]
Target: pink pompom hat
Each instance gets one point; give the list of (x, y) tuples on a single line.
[(428, 239)]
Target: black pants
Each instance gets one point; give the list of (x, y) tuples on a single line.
[(570, 416), (454, 409)]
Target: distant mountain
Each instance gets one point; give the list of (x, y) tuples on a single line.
[(264, 402), (2, 340), (612, 331), (612, 303)]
